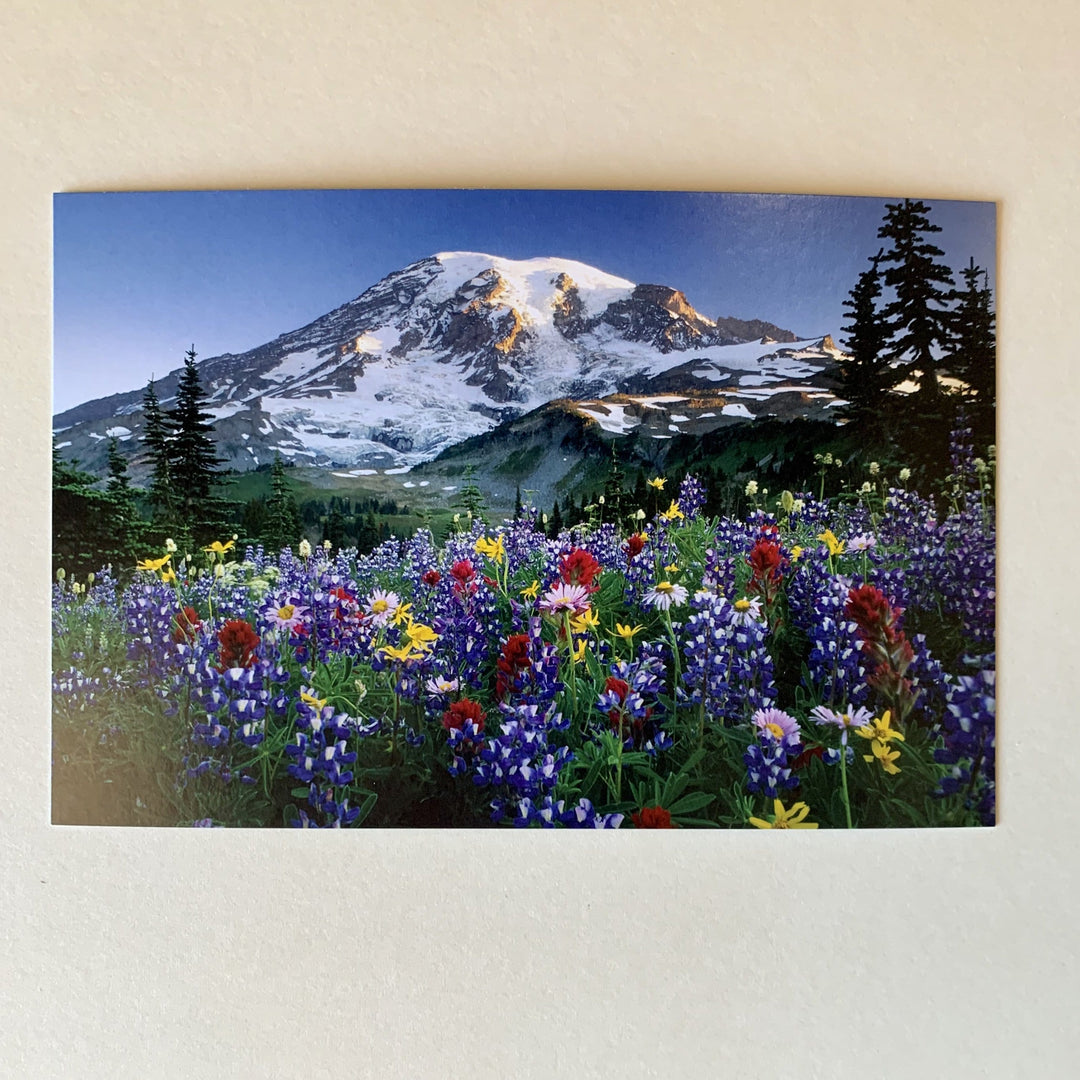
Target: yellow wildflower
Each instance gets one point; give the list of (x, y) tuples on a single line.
[(836, 547), (168, 576), (796, 553), (672, 512), (218, 548), (402, 653), (420, 636), (885, 755), (881, 730), (312, 700), (786, 819), (495, 550), (658, 482), (586, 621), (673, 568), (627, 633), (579, 653), (153, 564), (401, 613), (532, 591)]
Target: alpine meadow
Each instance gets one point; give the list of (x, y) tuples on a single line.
[(520, 538)]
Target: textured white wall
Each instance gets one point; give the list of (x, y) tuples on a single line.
[(238, 954)]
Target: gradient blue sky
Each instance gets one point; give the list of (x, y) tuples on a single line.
[(141, 276)]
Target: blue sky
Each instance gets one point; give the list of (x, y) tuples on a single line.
[(140, 276)]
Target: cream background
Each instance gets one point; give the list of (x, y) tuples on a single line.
[(242, 954)]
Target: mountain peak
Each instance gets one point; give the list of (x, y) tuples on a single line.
[(449, 347)]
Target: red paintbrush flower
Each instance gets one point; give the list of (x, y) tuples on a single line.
[(461, 712), (238, 642), (635, 544), (766, 561), (869, 608), (187, 624), (462, 571), (513, 659), (431, 577), (652, 817), (579, 568)]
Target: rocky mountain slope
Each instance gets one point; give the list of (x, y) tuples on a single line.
[(456, 344)]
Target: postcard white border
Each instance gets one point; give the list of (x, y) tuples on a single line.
[(132, 953)]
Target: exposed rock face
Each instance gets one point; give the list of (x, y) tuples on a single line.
[(752, 329), (441, 350)]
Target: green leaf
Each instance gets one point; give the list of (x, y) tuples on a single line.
[(696, 800), (365, 808)]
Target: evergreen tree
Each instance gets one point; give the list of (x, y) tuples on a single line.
[(472, 498), (335, 527), (613, 489), (80, 518), (641, 492), (555, 522), (156, 435), (974, 360), (367, 534), (194, 464), (125, 527), (517, 503), (282, 526), (866, 372), (918, 315), (253, 523)]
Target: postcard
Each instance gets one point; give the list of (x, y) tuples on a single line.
[(487, 508)]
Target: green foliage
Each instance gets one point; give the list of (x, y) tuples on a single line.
[(194, 467), (281, 527)]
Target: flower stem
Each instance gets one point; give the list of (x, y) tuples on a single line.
[(393, 730), (674, 656), (843, 783)]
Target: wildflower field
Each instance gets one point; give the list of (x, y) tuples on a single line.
[(817, 663)]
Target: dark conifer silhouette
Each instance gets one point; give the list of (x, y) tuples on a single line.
[(157, 433), (974, 360), (866, 372), (193, 461), (918, 315)]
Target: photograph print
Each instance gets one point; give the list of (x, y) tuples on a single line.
[(550, 509)]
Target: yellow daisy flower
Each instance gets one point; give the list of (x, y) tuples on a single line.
[(795, 818)]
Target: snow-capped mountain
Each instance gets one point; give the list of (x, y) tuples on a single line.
[(455, 344)]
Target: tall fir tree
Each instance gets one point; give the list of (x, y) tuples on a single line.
[(975, 357), (613, 489), (866, 372), (125, 527), (193, 461), (555, 522), (157, 434), (471, 498), (282, 521), (919, 315)]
